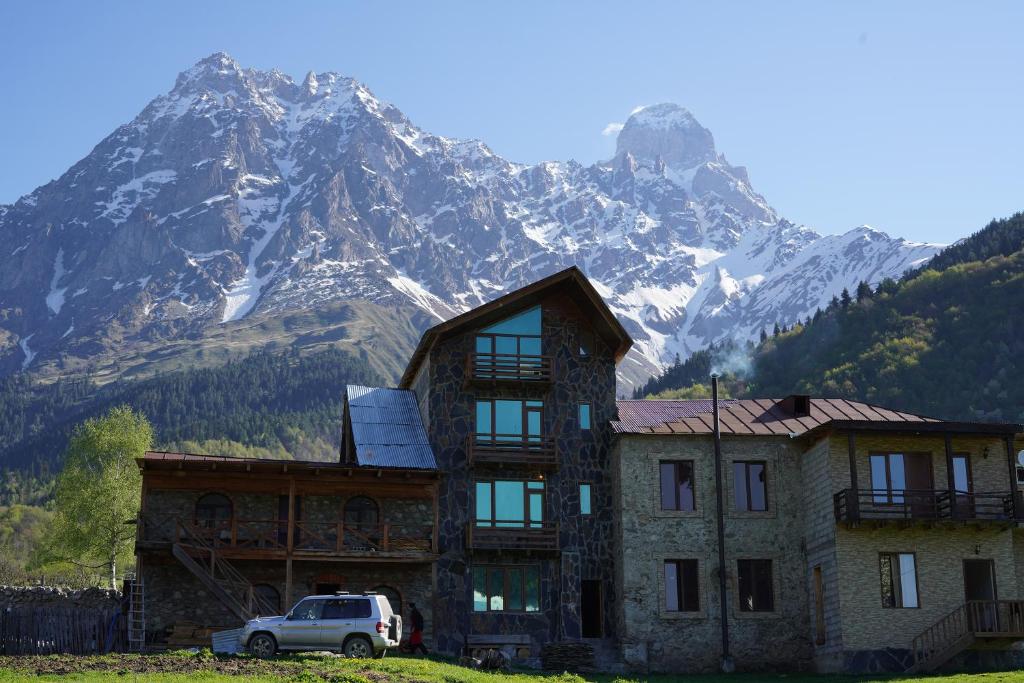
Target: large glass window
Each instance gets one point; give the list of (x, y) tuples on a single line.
[(750, 485), (506, 589), (518, 335), (509, 504), (898, 574), (509, 420), (682, 592), (677, 485), (213, 510), (756, 592)]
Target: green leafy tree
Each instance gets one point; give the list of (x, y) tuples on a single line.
[(98, 492)]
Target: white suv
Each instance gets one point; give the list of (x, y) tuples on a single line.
[(359, 625)]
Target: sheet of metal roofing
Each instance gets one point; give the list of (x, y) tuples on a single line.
[(387, 428)]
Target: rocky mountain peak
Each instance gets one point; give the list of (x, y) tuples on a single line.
[(669, 132), (245, 194)]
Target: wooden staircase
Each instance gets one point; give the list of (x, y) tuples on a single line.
[(978, 624), (219, 576)]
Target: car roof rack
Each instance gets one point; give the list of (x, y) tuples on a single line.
[(342, 593)]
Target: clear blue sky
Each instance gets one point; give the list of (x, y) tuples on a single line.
[(906, 116)]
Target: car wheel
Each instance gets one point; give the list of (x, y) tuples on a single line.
[(358, 648), (262, 646)]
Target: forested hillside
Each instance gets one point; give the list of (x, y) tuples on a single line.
[(947, 340), (285, 405)]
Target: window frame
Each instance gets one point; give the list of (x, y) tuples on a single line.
[(896, 579), (746, 483), (590, 498), (590, 415), (676, 464), (754, 609), (680, 610), (506, 573), (493, 523), (527, 407)]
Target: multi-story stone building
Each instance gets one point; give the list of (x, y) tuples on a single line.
[(503, 489), (856, 538)]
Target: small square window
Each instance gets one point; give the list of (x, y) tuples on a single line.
[(682, 593), (585, 499), (677, 485), (899, 579), (585, 416)]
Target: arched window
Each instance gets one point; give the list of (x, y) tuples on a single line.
[(393, 596), (268, 599), (361, 512), (212, 510)]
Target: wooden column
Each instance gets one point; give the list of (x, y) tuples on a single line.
[(291, 514), (854, 502), (287, 583)]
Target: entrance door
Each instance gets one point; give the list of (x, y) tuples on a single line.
[(590, 608), (980, 593)]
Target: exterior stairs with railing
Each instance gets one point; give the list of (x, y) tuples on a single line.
[(977, 624), (219, 576)]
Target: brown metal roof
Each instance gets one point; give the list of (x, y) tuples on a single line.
[(762, 416), (194, 461)]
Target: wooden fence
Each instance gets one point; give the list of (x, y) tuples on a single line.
[(71, 630)]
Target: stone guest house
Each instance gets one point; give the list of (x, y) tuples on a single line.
[(503, 489)]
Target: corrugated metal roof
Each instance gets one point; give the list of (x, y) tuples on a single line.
[(387, 428), (753, 416)]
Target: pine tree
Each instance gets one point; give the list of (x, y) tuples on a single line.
[(776, 331), (844, 299), (863, 291), (764, 335)]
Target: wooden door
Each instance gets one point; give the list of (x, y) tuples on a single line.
[(920, 485)]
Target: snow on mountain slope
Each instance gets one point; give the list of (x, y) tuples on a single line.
[(241, 192)]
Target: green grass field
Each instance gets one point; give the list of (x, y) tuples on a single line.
[(204, 668)]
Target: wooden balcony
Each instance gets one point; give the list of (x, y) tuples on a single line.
[(267, 539), (512, 450), (508, 368), (516, 536), (905, 507)]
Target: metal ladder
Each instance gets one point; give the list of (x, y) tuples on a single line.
[(137, 612)]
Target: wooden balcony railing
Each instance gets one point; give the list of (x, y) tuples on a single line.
[(508, 367), (511, 449), (972, 621), (855, 505), (512, 535), (331, 537)]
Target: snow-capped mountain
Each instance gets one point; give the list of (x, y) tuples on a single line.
[(243, 194)]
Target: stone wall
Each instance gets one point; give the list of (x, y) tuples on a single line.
[(586, 543), (174, 594), (653, 638), (12, 597)]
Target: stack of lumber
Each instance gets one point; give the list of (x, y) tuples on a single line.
[(189, 633), (567, 656)]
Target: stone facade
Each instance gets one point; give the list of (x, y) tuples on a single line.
[(853, 631), (586, 551), (655, 639)]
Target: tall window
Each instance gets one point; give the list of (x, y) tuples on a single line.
[(509, 504), (756, 591), (585, 416), (509, 420), (750, 485), (898, 574), (894, 474), (585, 491), (682, 593), (677, 485), (506, 589)]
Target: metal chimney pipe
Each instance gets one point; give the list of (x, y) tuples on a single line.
[(727, 664)]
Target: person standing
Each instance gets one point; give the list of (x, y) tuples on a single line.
[(416, 639)]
